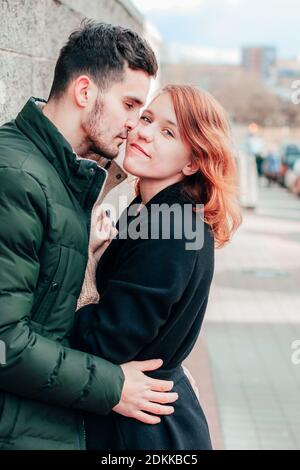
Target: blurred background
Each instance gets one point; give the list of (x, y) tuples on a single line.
[(247, 54)]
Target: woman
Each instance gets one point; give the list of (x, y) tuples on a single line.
[(154, 288)]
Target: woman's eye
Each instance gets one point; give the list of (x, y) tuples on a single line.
[(168, 132), (129, 105), (145, 119)]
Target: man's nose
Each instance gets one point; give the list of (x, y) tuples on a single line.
[(129, 125), (132, 122)]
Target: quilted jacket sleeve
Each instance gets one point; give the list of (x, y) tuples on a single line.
[(36, 367)]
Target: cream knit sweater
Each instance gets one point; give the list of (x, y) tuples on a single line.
[(89, 293)]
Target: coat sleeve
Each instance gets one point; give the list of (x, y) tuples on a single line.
[(34, 366), (137, 301)]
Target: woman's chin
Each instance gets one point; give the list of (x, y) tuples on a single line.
[(132, 167)]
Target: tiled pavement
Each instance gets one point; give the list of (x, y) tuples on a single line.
[(249, 386)]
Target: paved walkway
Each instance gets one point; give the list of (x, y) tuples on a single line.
[(249, 385)]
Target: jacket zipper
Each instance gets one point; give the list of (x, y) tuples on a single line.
[(41, 310), (81, 431), (88, 208), (84, 434)]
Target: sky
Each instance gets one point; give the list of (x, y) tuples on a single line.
[(214, 30)]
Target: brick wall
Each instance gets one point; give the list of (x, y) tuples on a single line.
[(31, 34)]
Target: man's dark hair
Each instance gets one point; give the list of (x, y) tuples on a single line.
[(101, 51)]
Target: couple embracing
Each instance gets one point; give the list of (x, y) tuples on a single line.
[(98, 319)]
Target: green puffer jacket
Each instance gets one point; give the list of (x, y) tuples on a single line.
[(46, 197)]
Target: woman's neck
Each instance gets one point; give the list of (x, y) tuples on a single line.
[(149, 187)]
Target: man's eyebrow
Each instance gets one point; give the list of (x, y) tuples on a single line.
[(136, 100)]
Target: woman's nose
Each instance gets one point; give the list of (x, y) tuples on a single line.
[(145, 133)]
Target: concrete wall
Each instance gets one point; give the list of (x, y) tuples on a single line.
[(31, 34)]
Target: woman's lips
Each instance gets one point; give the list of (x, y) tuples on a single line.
[(140, 149)]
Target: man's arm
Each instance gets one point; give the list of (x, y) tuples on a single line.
[(37, 367), (40, 368)]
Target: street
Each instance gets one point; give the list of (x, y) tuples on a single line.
[(249, 385)]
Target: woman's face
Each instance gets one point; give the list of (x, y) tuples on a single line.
[(154, 148)]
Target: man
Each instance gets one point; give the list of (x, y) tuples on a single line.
[(46, 196)]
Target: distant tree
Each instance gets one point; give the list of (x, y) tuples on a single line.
[(245, 96)]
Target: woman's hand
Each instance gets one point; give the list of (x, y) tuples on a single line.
[(102, 233)]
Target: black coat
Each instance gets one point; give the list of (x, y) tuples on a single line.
[(154, 294)]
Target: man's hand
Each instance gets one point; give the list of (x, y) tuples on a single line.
[(142, 394)]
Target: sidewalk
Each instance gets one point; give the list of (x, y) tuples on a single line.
[(249, 386)]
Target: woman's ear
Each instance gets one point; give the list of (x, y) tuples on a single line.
[(190, 168)]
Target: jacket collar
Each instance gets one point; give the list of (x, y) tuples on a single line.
[(116, 174), (77, 173)]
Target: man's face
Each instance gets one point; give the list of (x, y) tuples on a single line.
[(116, 112)]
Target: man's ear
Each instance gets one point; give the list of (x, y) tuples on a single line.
[(83, 91), (190, 168)]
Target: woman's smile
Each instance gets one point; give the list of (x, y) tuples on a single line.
[(139, 150)]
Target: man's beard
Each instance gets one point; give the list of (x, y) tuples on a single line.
[(103, 150), (95, 144)]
